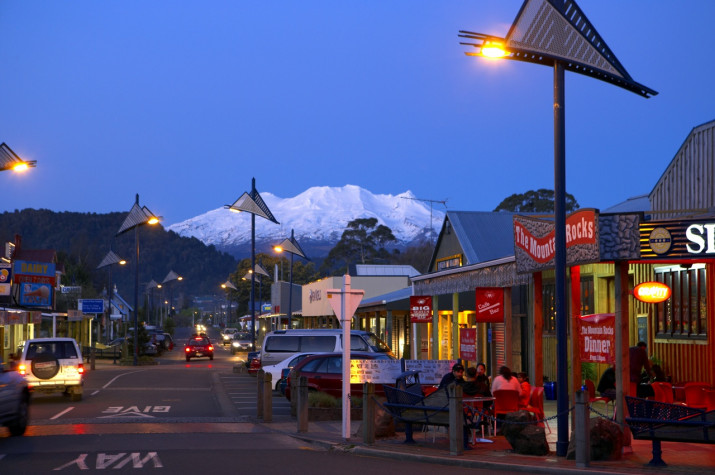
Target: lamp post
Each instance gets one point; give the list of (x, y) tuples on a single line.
[(170, 277), (556, 33), (291, 246), (109, 259), (137, 216), (10, 161), (228, 286), (254, 204), (152, 301)]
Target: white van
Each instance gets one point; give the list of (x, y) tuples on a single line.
[(281, 344)]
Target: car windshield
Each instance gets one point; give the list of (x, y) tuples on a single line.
[(198, 342), (242, 336), (59, 349), (377, 344)]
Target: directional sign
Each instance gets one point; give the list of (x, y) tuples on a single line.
[(91, 305)]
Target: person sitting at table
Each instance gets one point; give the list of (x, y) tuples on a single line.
[(607, 383), (477, 385), (506, 380), (525, 397), (454, 376)]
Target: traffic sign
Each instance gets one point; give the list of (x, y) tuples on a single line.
[(91, 305)]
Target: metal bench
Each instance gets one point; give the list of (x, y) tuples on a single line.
[(659, 421), (411, 407)]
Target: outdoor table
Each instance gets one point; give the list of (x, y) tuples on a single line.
[(476, 404)]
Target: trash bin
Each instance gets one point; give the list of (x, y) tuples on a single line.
[(550, 390)]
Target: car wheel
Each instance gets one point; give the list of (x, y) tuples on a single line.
[(233, 350), (75, 396), (211, 357), (19, 424), (188, 358), (45, 366)]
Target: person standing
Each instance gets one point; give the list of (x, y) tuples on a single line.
[(638, 357)]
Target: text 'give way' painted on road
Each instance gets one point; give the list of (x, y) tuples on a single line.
[(119, 460), (134, 411)]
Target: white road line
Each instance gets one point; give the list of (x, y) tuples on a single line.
[(119, 376), (57, 416)]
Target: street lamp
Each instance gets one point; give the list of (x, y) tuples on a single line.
[(10, 161), (110, 259), (254, 204), (170, 277), (291, 246), (556, 33), (228, 286), (259, 271), (137, 216)]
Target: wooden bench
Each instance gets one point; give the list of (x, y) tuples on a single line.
[(659, 421)]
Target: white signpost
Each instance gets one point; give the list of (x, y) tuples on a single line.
[(344, 306)]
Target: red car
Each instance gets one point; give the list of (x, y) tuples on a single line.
[(199, 346), (325, 372)]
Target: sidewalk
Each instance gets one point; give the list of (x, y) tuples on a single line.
[(433, 447)]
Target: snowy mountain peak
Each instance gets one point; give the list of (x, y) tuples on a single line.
[(318, 216)]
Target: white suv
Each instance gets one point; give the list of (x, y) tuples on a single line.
[(227, 335), (14, 400), (53, 365)]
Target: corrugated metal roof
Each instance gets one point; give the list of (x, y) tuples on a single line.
[(632, 204), (392, 270), (483, 235), (388, 297)]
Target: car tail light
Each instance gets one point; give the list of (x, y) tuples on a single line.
[(211, 347), (22, 369), (80, 368), (187, 349)]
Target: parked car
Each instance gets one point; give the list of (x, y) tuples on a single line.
[(277, 369), (325, 372), (227, 335), (197, 347), (241, 341), (281, 344), (14, 399), (253, 361), (149, 348), (53, 365)]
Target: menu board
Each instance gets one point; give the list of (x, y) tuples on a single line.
[(431, 371), (374, 371)]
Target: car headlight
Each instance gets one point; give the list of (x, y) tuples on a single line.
[(236, 344)]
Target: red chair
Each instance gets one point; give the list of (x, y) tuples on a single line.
[(695, 395), (592, 396), (536, 405), (505, 401), (710, 398)]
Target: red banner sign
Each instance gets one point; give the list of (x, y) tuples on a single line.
[(598, 338), (468, 344), (420, 309), (490, 304), (580, 229)]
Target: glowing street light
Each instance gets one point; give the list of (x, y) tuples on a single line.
[(254, 204), (292, 247), (10, 161), (137, 216), (556, 33)]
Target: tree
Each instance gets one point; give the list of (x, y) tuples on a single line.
[(539, 201), (363, 241)]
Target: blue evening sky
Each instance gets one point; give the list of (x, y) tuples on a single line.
[(184, 101)]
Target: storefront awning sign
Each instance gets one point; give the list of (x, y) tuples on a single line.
[(652, 292), (420, 309), (598, 338), (534, 241), (490, 304)]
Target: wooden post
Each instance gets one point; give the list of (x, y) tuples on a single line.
[(576, 383), (267, 397), (368, 413), (302, 404), (538, 331), (582, 430), (456, 420), (623, 380), (259, 393)]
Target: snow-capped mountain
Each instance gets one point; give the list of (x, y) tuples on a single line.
[(318, 217)]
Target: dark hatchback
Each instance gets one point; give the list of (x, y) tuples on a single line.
[(199, 346), (325, 373)]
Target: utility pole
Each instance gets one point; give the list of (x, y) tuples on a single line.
[(431, 202)]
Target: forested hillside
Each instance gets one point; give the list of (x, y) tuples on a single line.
[(83, 239)]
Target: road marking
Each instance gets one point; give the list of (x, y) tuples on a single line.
[(60, 414), (106, 460)]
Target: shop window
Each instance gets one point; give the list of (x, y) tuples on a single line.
[(684, 314), (549, 302)]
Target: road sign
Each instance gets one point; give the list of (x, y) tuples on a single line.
[(91, 305)]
